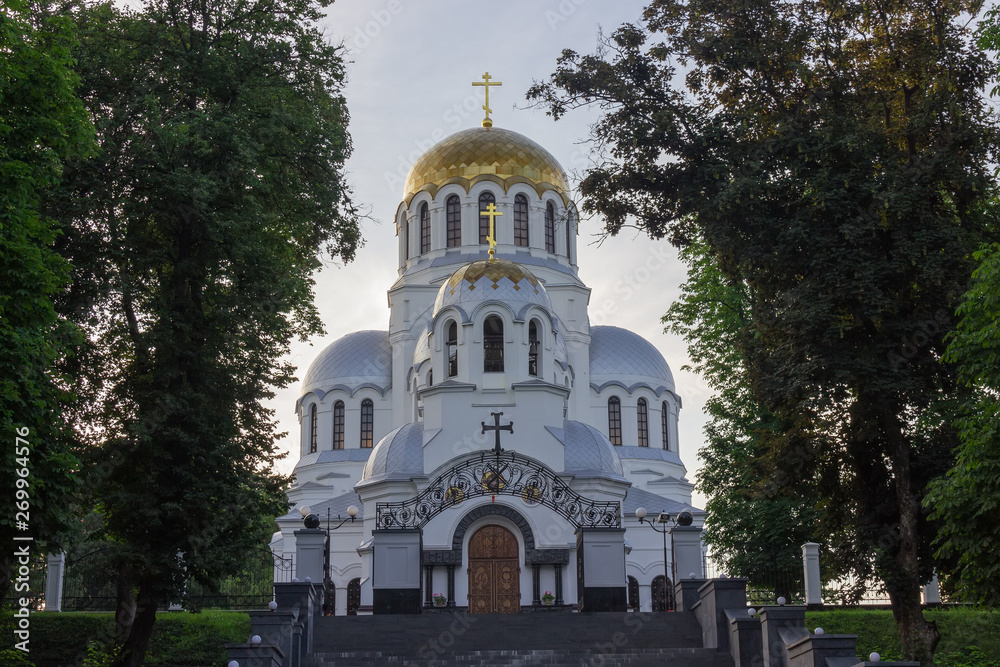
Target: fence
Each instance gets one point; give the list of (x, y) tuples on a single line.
[(89, 589), (765, 586), (36, 586)]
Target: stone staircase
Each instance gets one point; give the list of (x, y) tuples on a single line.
[(662, 639)]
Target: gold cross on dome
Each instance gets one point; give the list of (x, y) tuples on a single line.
[(492, 212), (486, 83)]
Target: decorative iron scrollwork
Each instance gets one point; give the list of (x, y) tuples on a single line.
[(505, 475)]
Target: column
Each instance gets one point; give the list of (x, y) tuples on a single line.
[(810, 565), (310, 544), (536, 584), (451, 586), (559, 590), (396, 571), (428, 585), (55, 568)]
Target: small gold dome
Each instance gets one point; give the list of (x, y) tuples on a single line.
[(485, 153), (491, 279)]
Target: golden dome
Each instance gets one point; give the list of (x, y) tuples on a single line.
[(485, 153), (491, 279)]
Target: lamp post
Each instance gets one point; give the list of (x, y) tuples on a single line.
[(662, 519), (312, 521)]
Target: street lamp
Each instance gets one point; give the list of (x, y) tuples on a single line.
[(662, 519), (312, 521)]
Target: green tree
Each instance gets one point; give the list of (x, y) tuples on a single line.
[(754, 529), (194, 237), (967, 499), (42, 123), (833, 157)]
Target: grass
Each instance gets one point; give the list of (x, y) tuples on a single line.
[(969, 637)]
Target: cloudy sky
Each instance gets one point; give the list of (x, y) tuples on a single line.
[(411, 66)]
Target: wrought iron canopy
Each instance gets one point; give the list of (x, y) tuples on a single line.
[(506, 474)]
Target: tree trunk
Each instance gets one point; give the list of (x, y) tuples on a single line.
[(134, 650), (124, 606), (918, 637)]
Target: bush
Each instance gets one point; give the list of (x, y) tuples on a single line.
[(970, 637), (179, 639)]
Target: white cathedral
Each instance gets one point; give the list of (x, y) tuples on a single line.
[(392, 422)]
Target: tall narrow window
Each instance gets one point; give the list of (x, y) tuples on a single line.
[(642, 421), (313, 423), (533, 345), (493, 345), (404, 230), (425, 229), (485, 200), (338, 425), (453, 213), (665, 425), (367, 422), (550, 228), (521, 221), (452, 350), (615, 420), (569, 238)]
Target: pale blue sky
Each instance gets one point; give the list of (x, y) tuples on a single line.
[(411, 67)]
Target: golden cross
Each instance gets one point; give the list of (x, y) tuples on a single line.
[(492, 212), (486, 83)]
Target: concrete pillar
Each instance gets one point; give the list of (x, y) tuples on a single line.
[(310, 544), (932, 592), (810, 565), (340, 596), (396, 571), (255, 656), (686, 541), (772, 619), (686, 593), (718, 595), (55, 570)]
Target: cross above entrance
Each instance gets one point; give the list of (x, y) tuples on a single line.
[(496, 427)]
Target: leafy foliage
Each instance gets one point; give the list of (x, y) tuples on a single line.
[(42, 123), (194, 236), (754, 530), (834, 158)]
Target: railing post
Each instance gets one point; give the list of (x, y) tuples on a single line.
[(54, 571), (810, 566)]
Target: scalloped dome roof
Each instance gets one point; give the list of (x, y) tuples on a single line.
[(485, 152), (358, 358), (488, 280), (620, 354), (587, 450), (399, 454)]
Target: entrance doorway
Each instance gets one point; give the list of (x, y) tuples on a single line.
[(494, 572)]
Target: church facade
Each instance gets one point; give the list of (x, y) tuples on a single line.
[(490, 420)]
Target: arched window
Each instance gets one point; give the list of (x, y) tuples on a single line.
[(425, 229), (642, 421), (569, 238), (453, 210), (664, 424), (430, 378), (533, 345), (550, 228), (338, 425), (367, 422), (485, 200), (493, 345), (521, 221), (404, 229), (615, 420), (313, 423), (452, 344)]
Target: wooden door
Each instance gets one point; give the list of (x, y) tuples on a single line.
[(494, 572)]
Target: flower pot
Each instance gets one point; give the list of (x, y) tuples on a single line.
[(440, 603), (548, 603)]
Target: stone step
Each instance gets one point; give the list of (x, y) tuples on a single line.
[(676, 657), (460, 632)]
